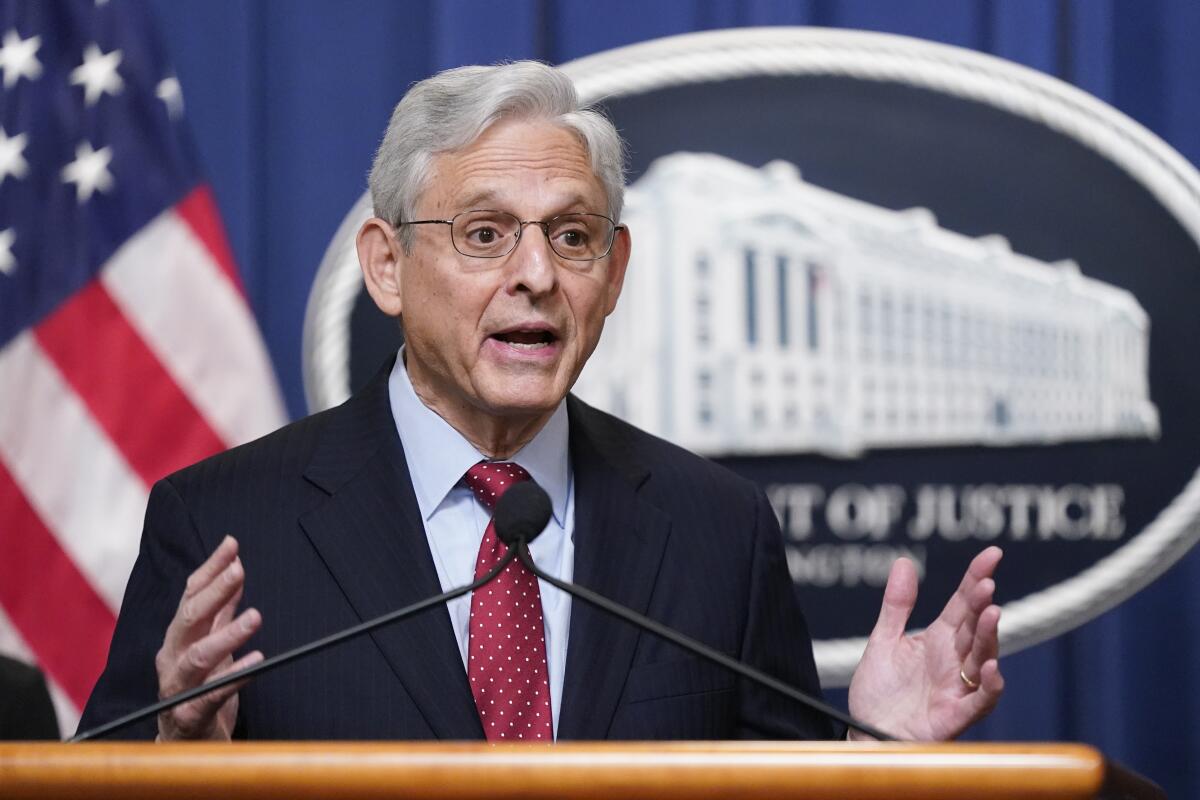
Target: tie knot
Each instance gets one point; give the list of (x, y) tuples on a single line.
[(489, 481)]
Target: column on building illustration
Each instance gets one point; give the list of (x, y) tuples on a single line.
[(782, 365)]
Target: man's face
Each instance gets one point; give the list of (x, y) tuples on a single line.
[(505, 337)]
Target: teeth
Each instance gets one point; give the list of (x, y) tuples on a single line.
[(528, 345)]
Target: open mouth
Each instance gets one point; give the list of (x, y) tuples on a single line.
[(529, 339)]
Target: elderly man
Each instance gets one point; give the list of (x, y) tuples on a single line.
[(495, 242)]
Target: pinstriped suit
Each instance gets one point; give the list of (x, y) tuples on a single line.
[(330, 535)]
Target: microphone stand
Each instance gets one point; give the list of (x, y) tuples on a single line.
[(700, 649), (293, 654)]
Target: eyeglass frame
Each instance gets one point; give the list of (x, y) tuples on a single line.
[(544, 224)]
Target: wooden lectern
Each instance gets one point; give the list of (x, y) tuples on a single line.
[(569, 771)]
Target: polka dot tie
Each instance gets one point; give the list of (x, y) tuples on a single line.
[(506, 661)]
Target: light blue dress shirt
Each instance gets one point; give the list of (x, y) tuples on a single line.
[(438, 457)]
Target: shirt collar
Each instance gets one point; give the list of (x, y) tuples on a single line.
[(438, 456)]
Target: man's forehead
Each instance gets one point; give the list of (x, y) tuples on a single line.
[(512, 158)]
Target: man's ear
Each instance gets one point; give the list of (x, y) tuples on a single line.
[(381, 259), (618, 260)]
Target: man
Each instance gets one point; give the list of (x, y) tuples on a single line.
[(494, 241)]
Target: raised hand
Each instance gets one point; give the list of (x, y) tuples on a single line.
[(199, 646), (932, 685)]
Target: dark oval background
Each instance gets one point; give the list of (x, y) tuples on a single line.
[(981, 171)]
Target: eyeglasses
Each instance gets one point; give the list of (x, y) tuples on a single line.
[(484, 233)]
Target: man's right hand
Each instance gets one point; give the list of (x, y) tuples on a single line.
[(199, 646)]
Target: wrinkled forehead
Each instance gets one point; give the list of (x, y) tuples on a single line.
[(513, 160)]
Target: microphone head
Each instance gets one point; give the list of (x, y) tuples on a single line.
[(521, 513)]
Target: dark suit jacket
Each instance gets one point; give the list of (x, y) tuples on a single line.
[(330, 536), (25, 708)]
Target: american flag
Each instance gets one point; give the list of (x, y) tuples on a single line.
[(127, 347)]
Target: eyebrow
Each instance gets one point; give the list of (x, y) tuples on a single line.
[(486, 196)]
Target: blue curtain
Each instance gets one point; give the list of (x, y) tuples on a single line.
[(287, 99)]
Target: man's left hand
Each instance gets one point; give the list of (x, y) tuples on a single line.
[(932, 685)]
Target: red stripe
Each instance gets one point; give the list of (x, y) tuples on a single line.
[(132, 397), (199, 211), (65, 622)]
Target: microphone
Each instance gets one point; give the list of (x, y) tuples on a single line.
[(526, 510), (522, 513)]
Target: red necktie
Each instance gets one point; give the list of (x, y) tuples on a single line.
[(507, 650)]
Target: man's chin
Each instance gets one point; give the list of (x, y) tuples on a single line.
[(523, 400), (521, 408)]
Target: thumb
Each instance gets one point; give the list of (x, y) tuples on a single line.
[(899, 597)]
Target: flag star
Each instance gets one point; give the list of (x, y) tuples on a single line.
[(18, 58), (8, 264), (89, 171), (171, 94), (12, 161), (98, 74)]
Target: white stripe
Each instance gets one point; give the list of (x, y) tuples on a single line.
[(198, 325), (68, 470), (13, 646), (68, 715)]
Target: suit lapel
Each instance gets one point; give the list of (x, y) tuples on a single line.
[(370, 535), (619, 542)]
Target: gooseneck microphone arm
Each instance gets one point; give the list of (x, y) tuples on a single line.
[(293, 654), (521, 514), (524, 511)]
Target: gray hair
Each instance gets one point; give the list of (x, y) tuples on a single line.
[(449, 111)]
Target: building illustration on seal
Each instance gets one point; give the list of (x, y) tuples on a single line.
[(763, 315)]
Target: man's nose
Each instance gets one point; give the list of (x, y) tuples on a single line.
[(533, 263)]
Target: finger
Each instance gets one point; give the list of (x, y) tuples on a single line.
[(202, 657), (991, 682), (899, 597), (191, 718), (200, 579), (985, 644), (197, 613), (219, 696), (978, 703), (227, 612), (221, 558), (978, 600), (982, 567)]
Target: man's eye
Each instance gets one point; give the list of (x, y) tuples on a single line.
[(573, 238), (483, 235)]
